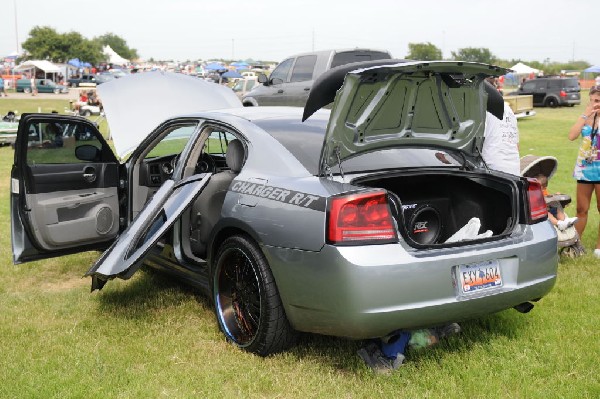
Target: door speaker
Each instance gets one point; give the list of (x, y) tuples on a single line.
[(425, 225), (104, 220)]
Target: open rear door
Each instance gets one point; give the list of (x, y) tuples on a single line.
[(125, 256), (64, 188)]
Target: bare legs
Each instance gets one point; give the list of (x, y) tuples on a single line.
[(584, 198)]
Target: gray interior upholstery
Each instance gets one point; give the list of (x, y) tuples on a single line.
[(206, 210), (235, 155)]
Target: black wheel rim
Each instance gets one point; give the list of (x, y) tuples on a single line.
[(237, 295)]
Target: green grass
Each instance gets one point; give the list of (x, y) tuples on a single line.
[(150, 337)]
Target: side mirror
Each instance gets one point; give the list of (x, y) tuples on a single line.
[(87, 153), (262, 78)]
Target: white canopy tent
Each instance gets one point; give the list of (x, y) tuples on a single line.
[(46, 66), (522, 69), (113, 57)]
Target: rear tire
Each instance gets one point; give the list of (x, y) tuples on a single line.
[(87, 112), (551, 102), (56, 91), (247, 303), (27, 90)]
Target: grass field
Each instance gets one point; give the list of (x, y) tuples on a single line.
[(150, 337)]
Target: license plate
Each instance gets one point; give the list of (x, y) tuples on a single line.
[(479, 276)]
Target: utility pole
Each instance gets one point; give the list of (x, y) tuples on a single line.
[(313, 39), (232, 49), (16, 27)]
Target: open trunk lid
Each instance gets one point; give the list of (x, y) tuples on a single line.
[(419, 104)]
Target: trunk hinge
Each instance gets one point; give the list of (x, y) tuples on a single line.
[(479, 154), (339, 159)]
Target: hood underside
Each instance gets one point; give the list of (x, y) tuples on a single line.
[(410, 104), (136, 104)]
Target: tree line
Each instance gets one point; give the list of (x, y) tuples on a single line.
[(429, 52), (45, 43)]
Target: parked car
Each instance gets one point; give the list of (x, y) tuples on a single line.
[(291, 82), (552, 91), (104, 77), (243, 86), (82, 81), (8, 132), (42, 85), (344, 224)]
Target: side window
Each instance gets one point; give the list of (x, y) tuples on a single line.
[(217, 142), (348, 57), (51, 142), (280, 74), (303, 69), (528, 86), (174, 142), (554, 84)]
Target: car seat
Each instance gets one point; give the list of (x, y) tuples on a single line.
[(206, 210)]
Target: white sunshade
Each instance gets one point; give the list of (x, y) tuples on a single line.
[(44, 65), (136, 104), (522, 68)]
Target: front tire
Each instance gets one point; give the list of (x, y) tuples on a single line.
[(247, 302), (27, 90)]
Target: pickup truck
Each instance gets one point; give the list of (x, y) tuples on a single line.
[(522, 106), (291, 81), (82, 81), (42, 86)]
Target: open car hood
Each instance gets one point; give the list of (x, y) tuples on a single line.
[(136, 104), (410, 104)]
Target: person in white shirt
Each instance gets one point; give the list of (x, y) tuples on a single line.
[(501, 142)]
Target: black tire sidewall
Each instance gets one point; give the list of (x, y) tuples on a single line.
[(551, 102), (270, 302)]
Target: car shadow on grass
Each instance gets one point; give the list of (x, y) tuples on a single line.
[(146, 292), (150, 291), (340, 353)]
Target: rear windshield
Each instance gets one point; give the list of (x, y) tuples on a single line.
[(348, 57), (571, 83), (305, 140)]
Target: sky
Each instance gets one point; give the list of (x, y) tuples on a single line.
[(269, 30)]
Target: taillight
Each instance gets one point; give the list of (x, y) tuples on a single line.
[(563, 93), (360, 219), (537, 203)]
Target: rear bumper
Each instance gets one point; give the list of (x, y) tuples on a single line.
[(369, 291)]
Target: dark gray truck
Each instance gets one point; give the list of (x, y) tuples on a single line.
[(291, 81)]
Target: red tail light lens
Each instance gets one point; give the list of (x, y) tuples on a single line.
[(359, 219), (563, 93), (537, 203)]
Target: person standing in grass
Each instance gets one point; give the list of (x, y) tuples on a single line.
[(2, 89), (587, 166)]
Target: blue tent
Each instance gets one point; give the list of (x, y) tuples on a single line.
[(215, 66), (74, 62), (593, 69), (232, 75), (240, 65)]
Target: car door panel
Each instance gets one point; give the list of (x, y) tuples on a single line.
[(125, 256), (59, 203)]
